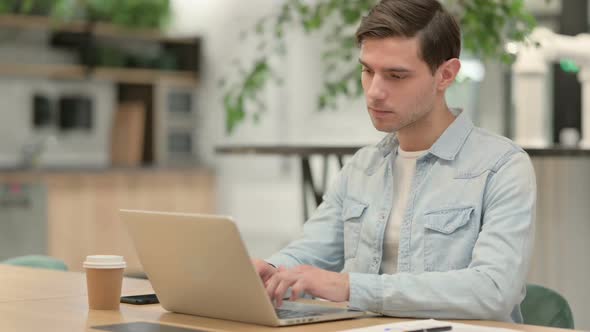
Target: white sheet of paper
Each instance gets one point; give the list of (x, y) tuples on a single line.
[(426, 324)]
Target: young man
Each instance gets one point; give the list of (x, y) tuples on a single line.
[(437, 219)]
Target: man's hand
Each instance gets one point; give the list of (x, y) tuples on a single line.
[(264, 270), (328, 285)]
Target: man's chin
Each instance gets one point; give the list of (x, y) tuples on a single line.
[(385, 128)]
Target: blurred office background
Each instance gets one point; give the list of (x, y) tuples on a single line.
[(97, 117)]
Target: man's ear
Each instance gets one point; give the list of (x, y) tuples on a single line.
[(447, 73)]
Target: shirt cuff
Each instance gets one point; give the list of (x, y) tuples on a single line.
[(366, 292), (279, 259)]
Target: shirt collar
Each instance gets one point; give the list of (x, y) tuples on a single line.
[(446, 146)]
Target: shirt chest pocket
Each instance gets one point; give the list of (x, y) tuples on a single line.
[(352, 214), (449, 238)]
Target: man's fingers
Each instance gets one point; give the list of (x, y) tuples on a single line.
[(297, 290), (280, 282), (271, 284), (281, 290), (268, 273)]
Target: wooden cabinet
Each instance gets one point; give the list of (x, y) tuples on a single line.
[(82, 207)]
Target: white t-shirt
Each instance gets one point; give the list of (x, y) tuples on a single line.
[(404, 168)]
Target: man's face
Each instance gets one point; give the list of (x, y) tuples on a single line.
[(399, 86)]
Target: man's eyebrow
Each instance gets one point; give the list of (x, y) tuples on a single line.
[(392, 69)]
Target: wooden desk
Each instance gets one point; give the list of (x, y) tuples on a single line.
[(42, 300), (24, 284)]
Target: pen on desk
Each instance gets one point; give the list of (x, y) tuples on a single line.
[(432, 329)]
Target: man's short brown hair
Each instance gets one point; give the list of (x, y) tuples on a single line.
[(437, 30)]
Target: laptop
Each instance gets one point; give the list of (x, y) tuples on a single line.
[(198, 265)]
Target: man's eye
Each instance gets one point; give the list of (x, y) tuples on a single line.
[(397, 77)]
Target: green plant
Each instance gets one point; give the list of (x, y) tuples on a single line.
[(486, 25), (127, 13), (26, 7)]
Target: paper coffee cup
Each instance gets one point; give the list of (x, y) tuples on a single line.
[(104, 278)]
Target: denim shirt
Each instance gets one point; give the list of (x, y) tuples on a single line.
[(465, 240)]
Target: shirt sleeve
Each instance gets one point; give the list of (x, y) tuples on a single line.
[(322, 243)]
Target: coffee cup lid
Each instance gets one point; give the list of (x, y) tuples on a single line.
[(104, 262)]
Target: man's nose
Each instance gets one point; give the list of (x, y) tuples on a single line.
[(376, 89)]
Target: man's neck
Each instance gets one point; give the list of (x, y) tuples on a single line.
[(422, 134)]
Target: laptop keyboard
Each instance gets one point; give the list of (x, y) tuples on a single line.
[(286, 313)]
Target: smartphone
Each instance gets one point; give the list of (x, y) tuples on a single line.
[(140, 299)]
